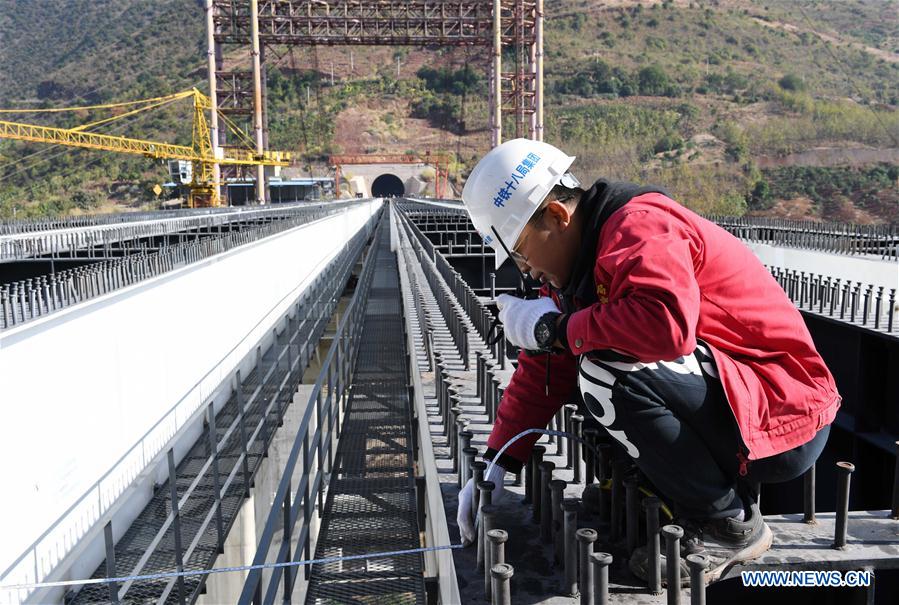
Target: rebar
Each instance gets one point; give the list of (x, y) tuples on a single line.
[(488, 519), (557, 489), (653, 549), (590, 461), (532, 479), (585, 538), (468, 455), (477, 472), (502, 575), (697, 563), (617, 504), (497, 539), (844, 473), (546, 507), (570, 547), (632, 505), (808, 493), (577, 422), (673, 534), (486, 488), (601, 562)]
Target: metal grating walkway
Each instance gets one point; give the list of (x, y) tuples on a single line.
[(371, 503)]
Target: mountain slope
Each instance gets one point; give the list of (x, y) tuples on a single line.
[(711, 99)]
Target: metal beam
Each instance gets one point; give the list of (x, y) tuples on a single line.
[(213, 98)]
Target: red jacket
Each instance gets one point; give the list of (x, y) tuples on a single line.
[(665, 277)]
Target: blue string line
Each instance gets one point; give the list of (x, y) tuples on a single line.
[(176, 574), (375, 555)]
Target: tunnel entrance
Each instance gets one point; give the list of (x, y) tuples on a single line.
[(388, 185)]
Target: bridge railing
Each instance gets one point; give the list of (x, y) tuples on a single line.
[(29, 299), (22, 226), (835, 238), (441, 275), (310, 448)]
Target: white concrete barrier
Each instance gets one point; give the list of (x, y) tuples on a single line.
[(93, 395), (868, 270)]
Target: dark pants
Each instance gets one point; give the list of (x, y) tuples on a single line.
[(674, 420)]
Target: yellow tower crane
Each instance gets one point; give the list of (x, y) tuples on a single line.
[(203, 189)]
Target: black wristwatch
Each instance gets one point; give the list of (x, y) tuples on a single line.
[(545, 330)]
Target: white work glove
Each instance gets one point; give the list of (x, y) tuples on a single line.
[(465, 515), (520, 315)]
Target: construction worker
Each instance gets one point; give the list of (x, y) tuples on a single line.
[(680, 343)]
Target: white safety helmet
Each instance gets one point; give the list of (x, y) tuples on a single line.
[(508, 185)]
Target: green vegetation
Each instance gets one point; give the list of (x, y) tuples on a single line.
[(307, 108), (761, 87), (874, 189), (871, 23), (100, 58), (458, 81), (792, 82), (598, 78), (82, 182), (727, 83), (692, 96), (811, 120), (86, 52), (717, 189), (442, 96), (696, 45), (610, 124)]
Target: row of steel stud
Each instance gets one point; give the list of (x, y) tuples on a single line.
[(832, 296), (585, 571), (28, 299), (552, 512), (840, 238), (557, 517)]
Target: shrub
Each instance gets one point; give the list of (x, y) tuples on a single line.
[(653, 81), (760, 198), (85, 200), (736, 140), (791, 82), (444, 79), (669, 142)]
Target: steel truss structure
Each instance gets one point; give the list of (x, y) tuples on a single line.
[(345, 22), (511, 28)]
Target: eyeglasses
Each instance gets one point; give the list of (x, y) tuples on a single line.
[(517, 256), (514, 254)]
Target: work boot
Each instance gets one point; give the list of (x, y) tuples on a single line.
[(725, 542), (639, 565)]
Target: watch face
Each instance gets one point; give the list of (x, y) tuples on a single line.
[(542, 333)]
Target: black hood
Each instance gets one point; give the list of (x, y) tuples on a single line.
[(597, 204)]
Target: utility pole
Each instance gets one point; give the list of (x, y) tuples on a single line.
[(497, 74), (257, 99), (538, 84), (213, 99)]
